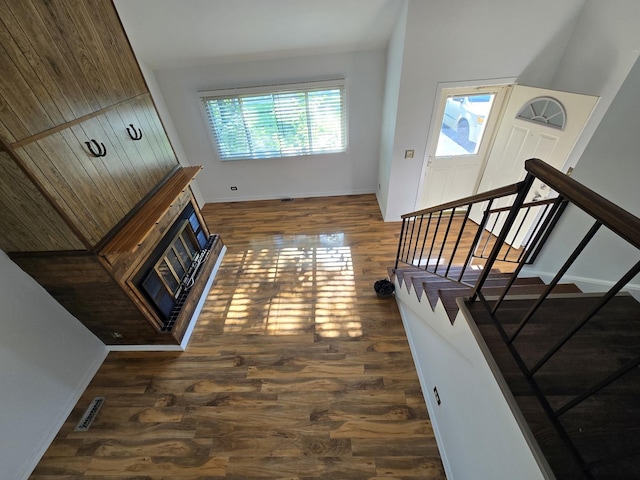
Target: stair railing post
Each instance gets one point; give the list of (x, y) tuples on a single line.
[(400, 244), (477, 237), (510, 220)]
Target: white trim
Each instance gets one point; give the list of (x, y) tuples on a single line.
[(49, 435), (335, 193), (192, 322)]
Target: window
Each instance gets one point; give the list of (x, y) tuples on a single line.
[(545, 110), (463, 123), (277, 121)]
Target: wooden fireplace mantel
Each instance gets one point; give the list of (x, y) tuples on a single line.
[(131, 235)]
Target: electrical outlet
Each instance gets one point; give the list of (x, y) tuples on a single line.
[(408, 153), (234, 188)]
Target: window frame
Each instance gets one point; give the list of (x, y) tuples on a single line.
[(308, 86)]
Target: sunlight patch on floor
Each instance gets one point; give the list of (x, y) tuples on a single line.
[(293, 290)]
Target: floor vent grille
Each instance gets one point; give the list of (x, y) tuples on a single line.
[(89, 414)]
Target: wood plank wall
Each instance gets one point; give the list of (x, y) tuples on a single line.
[(59, 61), (83, 286), (28, 221)]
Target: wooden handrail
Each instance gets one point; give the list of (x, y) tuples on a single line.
[(537, 203), (617, 219), (480, 197)]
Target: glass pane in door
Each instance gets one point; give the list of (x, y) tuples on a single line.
[(463, 124)]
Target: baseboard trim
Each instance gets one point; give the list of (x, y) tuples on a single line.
[(50, 434), (252, 198)]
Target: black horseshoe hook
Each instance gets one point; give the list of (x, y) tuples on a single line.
[(135, 135), (100, 151)]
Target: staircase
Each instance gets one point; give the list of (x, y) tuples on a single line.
[(563, 362), (447, 291)]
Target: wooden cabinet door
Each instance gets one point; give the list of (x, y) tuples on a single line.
[(61, 60), (29, 222), (97, 192)]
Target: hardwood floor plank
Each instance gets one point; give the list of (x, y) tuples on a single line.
[(386, 429), (295, 368), (320, 467), (409, 467), (170, 467)]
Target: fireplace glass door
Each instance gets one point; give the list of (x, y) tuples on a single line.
[(164, 278)]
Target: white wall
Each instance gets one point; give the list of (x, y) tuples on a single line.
[(353, 172), (462, 40), (47, 358), (390, 106), (602, 50), (610, 167)]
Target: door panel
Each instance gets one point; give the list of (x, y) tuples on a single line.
[(505, 164), (517, 140), (458, 143)]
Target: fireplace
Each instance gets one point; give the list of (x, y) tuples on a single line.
[(174, 266)]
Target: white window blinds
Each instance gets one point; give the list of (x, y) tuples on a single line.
[(282, 121)]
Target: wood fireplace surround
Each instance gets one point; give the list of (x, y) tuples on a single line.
[(89, 182)]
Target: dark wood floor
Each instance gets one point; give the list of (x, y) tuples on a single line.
[(295, 369)]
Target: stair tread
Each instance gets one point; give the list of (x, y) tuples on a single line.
[(448, 296)]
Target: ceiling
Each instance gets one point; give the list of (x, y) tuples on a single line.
[(179, 33)]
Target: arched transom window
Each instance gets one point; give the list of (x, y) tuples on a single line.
[(545, 110)]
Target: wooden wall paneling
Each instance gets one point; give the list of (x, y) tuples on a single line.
[(29, 223), (149, 110), (42, 42), (143, 177), (18, 97), (60, 61), (67, 24), (116, 47), (47, 79), (68, 186), (82, 285), (88, 26), (159, 144), (103, 53), (114, 179), (86, 176)]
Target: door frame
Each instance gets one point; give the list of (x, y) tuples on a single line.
[(435, 123)]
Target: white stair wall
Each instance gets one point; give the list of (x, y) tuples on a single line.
[(479, 434)]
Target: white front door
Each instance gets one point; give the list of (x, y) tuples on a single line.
[(460, 136), (536, 123)]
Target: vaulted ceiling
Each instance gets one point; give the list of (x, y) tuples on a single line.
[(177, 33)]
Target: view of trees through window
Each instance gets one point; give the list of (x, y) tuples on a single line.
[(278, 124)]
